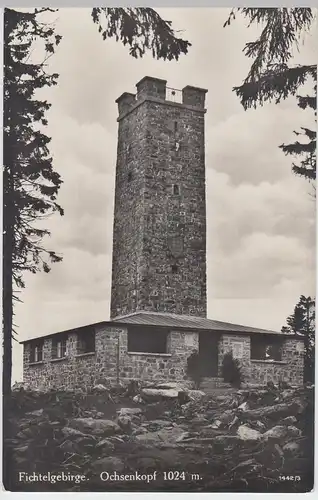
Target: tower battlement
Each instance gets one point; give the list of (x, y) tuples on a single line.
[(156, 88), (159, 239)]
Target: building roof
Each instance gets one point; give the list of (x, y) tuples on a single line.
[(185, 322), (169, 320)]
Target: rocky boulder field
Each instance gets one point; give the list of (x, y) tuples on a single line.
[(163, 438)]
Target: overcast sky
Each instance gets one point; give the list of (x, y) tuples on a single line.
[(261, 218)]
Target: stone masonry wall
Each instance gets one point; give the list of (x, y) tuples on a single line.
[(259, 372), (112, 361), (159, 238)]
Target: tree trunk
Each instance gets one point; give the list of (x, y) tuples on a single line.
[(7, 333)]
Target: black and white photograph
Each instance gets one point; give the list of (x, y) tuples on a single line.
[(159, 247)]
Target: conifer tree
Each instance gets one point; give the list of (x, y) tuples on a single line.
[(30, 184), (272, 77), (302, 322)]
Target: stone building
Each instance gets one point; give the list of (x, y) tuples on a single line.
[(158, 295)]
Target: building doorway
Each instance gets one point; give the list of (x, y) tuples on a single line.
[(208, 353)]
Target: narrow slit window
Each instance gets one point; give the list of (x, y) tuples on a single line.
[(129, 177), (174, 268), (176, 189), (176, 126)]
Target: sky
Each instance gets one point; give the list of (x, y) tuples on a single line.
[(260, 217)]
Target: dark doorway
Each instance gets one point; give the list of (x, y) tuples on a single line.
[(208, 354)]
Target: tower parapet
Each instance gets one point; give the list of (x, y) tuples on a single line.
[(152, 89)]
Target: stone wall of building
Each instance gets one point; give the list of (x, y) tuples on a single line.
[(112, 360), (159, 239), (259, 372)]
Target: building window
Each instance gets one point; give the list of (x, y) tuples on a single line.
[(174, 268), (266, 348), (147, 339), (176, 126), (129, 176), (37, 351), (59, 347), (176, 189), (86, 341)]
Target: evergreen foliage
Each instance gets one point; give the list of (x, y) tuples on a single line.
[(30, 184), (231, 370), (272, 78), (303, 322)]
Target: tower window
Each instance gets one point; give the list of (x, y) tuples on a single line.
[(129, 176), (176, 189), (174, 268), (176, 126)]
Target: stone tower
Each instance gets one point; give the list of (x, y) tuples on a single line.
[(159, 240)]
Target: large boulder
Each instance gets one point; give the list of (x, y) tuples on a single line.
[(95, 426), (246, 433), (195, 395), (130, 411), (163, 436), (172, 385), (278, 432), (154, 394)]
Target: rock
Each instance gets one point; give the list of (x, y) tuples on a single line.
[(284, 385), (225, 440), (291, 447), (226, 417), (105, 445), (21, 449), (276, 411), (184, 436), (100, 388), (94, 426), (277, 432), (245, 433), (243, 406), (125, 422), (293, 431), (36, 413), (286, 394), (234, 422), (158, 424), (70, 432), (108, 464), (138, 399), (216, 424), (290, 420), (132, 412), (196, 395), (250, 465), (69, 447), (260, 425), (158, 394), (172, 385), (271, 386), (164, 436), (199, 420)]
